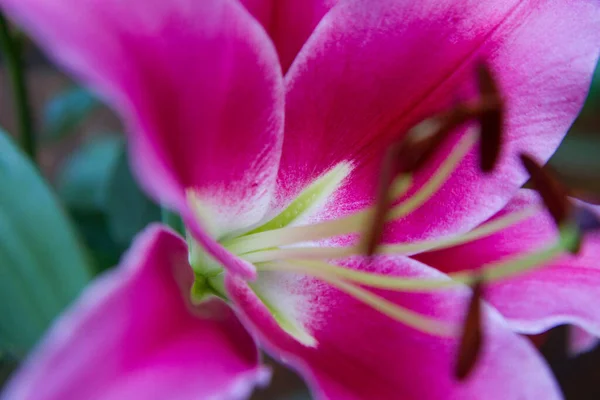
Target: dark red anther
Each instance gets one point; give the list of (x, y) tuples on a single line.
[(420, 144), (553, 194), (389, 168), (471, 341), (490, 119)]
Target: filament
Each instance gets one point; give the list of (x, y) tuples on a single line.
[(260, 239), (440, 176), (322, 252), (392, 310), (488, 273)]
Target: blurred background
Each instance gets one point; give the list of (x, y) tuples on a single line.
[(82, 154)]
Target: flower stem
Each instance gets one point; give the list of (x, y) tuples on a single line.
[(11, 49)]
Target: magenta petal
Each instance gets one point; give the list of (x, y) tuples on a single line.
[(559, 293), (289, 22), (197, 83), (580, 341), (132, 335), (362, 354), (373, 68)]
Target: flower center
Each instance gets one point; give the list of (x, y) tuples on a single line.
[(284, 244), (281, 245)]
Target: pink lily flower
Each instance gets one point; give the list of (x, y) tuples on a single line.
[(264, 123)]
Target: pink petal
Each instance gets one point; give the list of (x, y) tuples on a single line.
[(559, 293), (289, 22), (132, 335), (581, 341), (373, 68), (362, 354), (197, 83)]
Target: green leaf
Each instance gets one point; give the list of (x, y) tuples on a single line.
[(104, 200), (93, 228), (66, 110), (43, 266), (84, 179), (7, 365), (578, 153), (127, 207)]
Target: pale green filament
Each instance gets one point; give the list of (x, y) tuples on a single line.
[(261, 246), (392, 310), (480, 232), (489, 273), (296, 234), (356, 222), (317, 191), (459, 151), (398, 249)]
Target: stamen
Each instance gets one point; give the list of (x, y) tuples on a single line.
[(322, 188), (261, 237), (422, 140), (440, 176), (392, 310), (373, 280), (472, 337), (553, 194), (555, 198), (397, 249), (490, 120), (354, 223), (383, 200), (493, 272), (419, 144), (480, 232), (317, 252), (299, 234)]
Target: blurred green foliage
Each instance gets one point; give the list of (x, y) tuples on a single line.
[(44, 266), (103, 198), (66, 111), (577, 160)]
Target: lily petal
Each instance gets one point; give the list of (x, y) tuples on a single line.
[(360, 353), (581, 341), (374, 68), (289, 22), (197, 83), (558, 293), (132, 335)]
